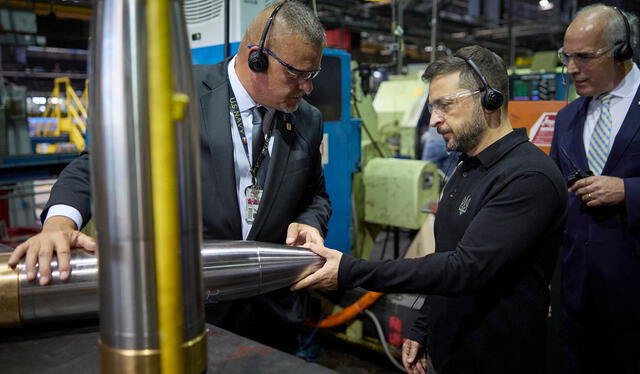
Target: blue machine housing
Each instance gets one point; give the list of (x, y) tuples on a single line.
[(212, 54), (343, 151)]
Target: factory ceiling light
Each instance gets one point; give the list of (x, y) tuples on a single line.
[(545, 5)]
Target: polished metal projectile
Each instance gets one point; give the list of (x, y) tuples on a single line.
[(232, 270)]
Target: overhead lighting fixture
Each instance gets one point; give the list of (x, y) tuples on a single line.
[(39, 100), (545, 5)]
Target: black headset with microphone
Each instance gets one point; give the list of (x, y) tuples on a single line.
[(623, 50), (492, 99), (258, 60)]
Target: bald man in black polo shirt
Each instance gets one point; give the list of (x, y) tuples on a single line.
[(498, 230)]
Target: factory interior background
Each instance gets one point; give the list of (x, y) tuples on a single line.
[(384, 188)]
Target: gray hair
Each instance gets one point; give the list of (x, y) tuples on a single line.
[(299, 18), (490, 64), (616, 32)]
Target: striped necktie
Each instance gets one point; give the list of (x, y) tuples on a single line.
[(600, 138)]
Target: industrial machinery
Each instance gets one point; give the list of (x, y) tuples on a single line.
[(17, 201), (539, 86), (397, 189), (543, 81), (341, 143), (376, 203), (399, 104), (14, 132), (537, 94)]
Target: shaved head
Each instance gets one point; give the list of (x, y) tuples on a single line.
[(593, 21), (609, 21)]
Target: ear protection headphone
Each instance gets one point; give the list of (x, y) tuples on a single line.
[(623, 51), (258, 60), (492, 99)]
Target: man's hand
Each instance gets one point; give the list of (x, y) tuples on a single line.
[(413, 357), (299, 234), (600, 190), (325, 278), (58, 235)]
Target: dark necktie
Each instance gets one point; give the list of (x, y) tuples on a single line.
[(257, 140)]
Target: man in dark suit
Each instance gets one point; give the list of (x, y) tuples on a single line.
[(600, 132), (278, 169)]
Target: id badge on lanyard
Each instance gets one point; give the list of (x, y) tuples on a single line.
[(253, 195)]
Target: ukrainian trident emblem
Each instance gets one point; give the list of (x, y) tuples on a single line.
[(462, 209)]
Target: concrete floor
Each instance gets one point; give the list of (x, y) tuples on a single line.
[(346, 358)]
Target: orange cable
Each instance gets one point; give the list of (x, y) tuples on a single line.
[(350, 312)]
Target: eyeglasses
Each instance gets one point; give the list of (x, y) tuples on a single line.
[(294, 74), (581, 58), (443, 104)]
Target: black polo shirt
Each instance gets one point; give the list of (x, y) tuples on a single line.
[(497, 231)]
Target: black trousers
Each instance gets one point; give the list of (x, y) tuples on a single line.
[(591, 345)]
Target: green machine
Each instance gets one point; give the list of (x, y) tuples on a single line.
[(389, 192), (398, 104), (396, 191), (409, 124)]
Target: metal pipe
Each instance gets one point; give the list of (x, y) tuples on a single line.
[(434, 30), (120, 133), (227, 18), (232, 270), (120, 176), (511, 33), (398, 31)]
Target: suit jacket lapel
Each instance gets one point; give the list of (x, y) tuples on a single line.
[(216, 126), (628, 130), (577, 142), (283, 139)]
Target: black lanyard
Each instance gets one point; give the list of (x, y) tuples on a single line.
[(233, 106)]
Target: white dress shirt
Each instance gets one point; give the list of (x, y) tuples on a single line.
[(620, 103), (241, 163), (65, 211)]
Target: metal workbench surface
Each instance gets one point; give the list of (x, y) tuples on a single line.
[(75, 350)]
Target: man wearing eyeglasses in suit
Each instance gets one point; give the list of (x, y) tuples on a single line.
[(599, 133)]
